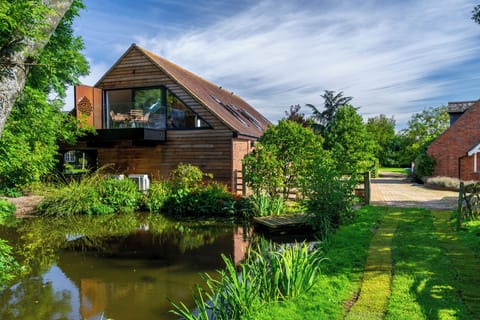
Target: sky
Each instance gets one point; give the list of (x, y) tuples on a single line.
[(393, 57)]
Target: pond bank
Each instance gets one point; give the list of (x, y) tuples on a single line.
[(25, 205)]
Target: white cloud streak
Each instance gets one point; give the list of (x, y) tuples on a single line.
[(390, 56)]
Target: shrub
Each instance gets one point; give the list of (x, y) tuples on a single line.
[(443, 182), (12, 192), (8, 265), (424, 164), (186, 176), (120, 195), (330, 197), (7, 209), (157, 195), (211, 199), (92, 195)]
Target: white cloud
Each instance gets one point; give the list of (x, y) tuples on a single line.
[(386, 55)]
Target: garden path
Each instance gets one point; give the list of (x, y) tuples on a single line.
[(399, 192)]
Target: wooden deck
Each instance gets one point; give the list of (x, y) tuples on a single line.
[(290, 221)]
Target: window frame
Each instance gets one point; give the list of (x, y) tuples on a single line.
[(164, 91)]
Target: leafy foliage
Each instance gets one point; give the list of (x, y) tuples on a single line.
[(28, 147), (332, 102), (292, 270), (211, 199), (8, 265), (186, 176), (91, 195), (294, 115), (351, 145), (20, 20), (422, 129), (424, 164), (280, 158), (158, 194), (7, 209), (476, 14), (264, 205), (382, 130), (329, 196)]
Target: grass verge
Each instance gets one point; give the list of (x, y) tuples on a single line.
[(424, 286), (404, 171), (465, 263), (377, 278), (346, 253)]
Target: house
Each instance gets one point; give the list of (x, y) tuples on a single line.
[(456, 151), (150, 115)]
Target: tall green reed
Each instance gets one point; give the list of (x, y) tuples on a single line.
[(270, 273)]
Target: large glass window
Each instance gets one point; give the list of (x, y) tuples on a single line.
[(149, 107)]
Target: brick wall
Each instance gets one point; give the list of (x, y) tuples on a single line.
[(450, 149)]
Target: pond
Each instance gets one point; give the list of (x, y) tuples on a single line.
[(113, 267)]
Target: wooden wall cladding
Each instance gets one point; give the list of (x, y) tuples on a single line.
[(135, 70)]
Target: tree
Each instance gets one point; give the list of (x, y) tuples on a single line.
[(294, 115), (422, 129), (332, 102), (280, 159), (25, 28), (382, 130), (351, 145), (28, 146), (476, 14)]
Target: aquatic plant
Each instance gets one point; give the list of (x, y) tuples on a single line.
[(94, 194), (271, 273), (265, 205)]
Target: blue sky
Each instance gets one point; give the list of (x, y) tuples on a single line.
[(393, 57)]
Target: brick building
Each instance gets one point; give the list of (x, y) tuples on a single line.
[(456, 150)]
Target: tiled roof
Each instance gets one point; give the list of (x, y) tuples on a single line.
[(230, 108), (460, 106)]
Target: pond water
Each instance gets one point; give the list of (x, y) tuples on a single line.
[(113, 267)]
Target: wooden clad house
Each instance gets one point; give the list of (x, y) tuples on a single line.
[(151, 115)]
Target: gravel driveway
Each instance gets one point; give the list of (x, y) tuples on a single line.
[(398, 192)]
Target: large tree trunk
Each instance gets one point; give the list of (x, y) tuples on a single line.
[(14, 74)]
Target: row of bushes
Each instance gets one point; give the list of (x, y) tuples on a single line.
[(184, 193)]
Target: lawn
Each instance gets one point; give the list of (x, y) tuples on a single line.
[(405, 171), (393, 263)]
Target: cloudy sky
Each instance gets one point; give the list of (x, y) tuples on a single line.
[(393, 57)]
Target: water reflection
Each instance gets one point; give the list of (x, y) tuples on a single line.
[(119, 267)]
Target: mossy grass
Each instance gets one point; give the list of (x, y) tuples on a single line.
[(435, 273), (465, 262), (424, 286), (377, 277)]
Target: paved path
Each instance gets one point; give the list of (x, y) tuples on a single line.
[(398, 192)]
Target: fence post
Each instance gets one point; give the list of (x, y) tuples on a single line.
[(244, 185), (366, 183), (461, 192)]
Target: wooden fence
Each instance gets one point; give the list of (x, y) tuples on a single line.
[(468, 202), (363, 190)]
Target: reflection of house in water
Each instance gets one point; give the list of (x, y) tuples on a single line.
[(92, 297), (131, 277)]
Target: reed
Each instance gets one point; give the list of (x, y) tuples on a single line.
[(271, 273), (265, 205)]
